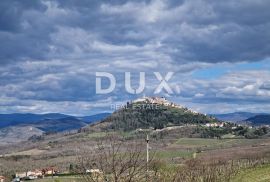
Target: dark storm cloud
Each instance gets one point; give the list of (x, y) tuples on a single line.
[(50, 50), (206, 31), (11, 13), (21, 35)]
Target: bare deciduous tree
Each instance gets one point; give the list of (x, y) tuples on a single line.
[(114, 159)]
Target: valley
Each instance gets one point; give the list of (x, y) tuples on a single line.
[(180, 141)]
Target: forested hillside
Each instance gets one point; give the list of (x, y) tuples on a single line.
[(145, 115)]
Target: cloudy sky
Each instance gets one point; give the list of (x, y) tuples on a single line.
[(50, 51)]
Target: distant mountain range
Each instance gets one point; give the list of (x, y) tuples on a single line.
[(236, 116), (46, 121), (255, 119), (263, 119), (27, 118), (19, 127)]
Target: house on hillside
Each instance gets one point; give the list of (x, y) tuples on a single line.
[(32, 174), (215, 124), (49, 171), (2, 178), (21, 174), (157, 100), (96, 173), (93, 171), (36, 172)]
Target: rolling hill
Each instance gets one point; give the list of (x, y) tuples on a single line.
[(20, 127), (15, 134), (152, 112), (17, 119), (57, 125), (235, 117), (26, 118), (94, 118), (263, 119)]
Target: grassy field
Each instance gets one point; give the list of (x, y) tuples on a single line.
[(214, 143), (60, 179), (258, 174), (28, 152), (96, 135), (174, 151), (173, 154)]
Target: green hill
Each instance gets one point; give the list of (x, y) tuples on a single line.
[(157, 113)]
